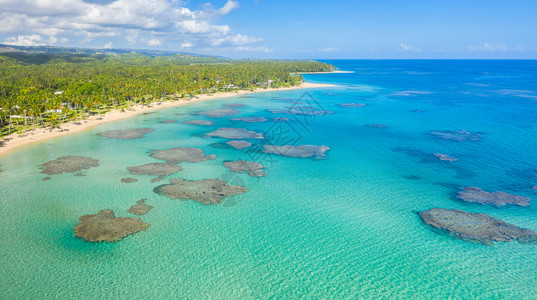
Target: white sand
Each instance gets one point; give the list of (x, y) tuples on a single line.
[(13, 141)]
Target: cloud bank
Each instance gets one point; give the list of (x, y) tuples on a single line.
[(130, 22)]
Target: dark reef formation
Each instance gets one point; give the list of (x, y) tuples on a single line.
[(129, 180), (208, 191), (239, 144), (250, 119), (105, 227), (297, 151), (140, 208), (236, 105), (377, 125), (235, 133), (456, 135), (445, 157), (305, 112), (199, 122), (156, 169), (351, 105), (476, 227), (157, 179), (181, 154), (126, 134), (254, 169), (168, 121), (69, 164), (219, 112), (477, 195)]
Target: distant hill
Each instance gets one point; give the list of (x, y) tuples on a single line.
[(49, 54)]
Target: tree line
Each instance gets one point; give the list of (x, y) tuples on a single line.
[(49, 89)]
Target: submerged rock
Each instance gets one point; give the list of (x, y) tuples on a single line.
[(250, 119), (445, 157), (254, 169), (477, 227), (477, 195), (306, 112), (129, 180), (140, 208), (351, 105), (220, 145), (235, 105), (127, 134), (208, 191), (181, 154), (235, 133), (69, 164), (297, 151), (157, 179), (456, 135), (377, 125), (199, 122), (47, 178), (168, 121), (219, 112), (281, 119), (156, 169), (105, 227), (412, 177), (239, 144)]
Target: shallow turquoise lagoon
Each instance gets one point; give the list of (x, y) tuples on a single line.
[(341, 227)]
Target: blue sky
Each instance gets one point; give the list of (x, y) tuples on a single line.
[(281, 29)]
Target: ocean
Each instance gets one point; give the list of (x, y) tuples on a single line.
[(345, 225)]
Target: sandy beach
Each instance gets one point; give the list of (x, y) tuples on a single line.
[(14, 141)]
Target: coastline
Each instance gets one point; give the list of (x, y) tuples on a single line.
[(340, 72), (13, 142)]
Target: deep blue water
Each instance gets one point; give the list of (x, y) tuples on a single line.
[(340, 227)]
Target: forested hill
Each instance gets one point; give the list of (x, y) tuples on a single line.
[(132, 58), (38, 90), (86, 51)]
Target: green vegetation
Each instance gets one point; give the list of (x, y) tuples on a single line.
[(46, 90)]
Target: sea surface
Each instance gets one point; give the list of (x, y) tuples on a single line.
[(345, 226)]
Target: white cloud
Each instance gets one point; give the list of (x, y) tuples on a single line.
[(154, 42), (25, 40), (108, 45), (235, 40), (228, 7), (253, 49), (407, 48), (186, 45), (486, 47), (136, 21)]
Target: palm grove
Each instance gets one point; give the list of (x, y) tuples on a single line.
[(47, 90)]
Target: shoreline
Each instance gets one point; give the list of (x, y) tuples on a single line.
[(339, 72), (13, 142)]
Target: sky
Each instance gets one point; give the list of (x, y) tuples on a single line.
[(313, 29)]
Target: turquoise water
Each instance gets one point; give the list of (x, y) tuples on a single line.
[(341, 227)]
